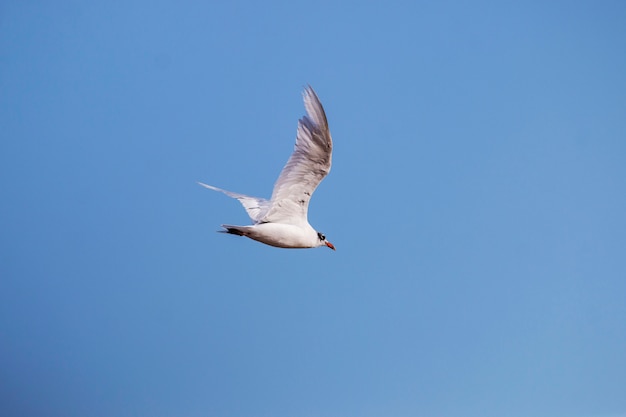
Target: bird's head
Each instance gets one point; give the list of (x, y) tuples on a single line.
[(323, 241)]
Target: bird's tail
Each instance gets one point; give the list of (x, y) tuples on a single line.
[(234, 230)]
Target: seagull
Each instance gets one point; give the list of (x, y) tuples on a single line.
[(282, 221)]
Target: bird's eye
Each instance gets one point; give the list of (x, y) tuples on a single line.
[(321, 236)]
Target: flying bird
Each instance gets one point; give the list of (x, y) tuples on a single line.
[(282, 221)]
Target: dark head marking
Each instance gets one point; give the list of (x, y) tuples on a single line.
[(321, 236)]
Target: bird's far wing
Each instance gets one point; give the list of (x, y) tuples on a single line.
[(256, 207), (307, 166)]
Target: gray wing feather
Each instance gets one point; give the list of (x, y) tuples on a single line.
[(255, 207), (307, 166)]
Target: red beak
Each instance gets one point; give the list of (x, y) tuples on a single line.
[(330, 245)]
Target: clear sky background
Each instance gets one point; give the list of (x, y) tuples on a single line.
[(477, 202)]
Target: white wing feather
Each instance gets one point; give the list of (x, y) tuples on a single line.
[(306, 168), (256, 207)]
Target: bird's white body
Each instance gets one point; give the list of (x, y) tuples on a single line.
[(282, 220), (280, 235)]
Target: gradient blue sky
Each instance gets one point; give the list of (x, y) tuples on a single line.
[(477, 202)]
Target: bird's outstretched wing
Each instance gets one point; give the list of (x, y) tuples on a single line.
[(256, 207), (308, 165)]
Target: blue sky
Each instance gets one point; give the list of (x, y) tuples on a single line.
[(477, 202)]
